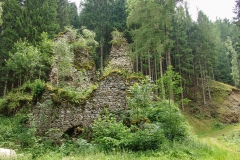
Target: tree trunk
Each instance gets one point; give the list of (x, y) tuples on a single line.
[(168, 56), (155, 66), (203, 87), (149, 65), (161, 74), (101, 56), (136, 63), (5, 86), (207, 82)]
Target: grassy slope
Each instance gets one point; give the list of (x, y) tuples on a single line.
[(225, 142)]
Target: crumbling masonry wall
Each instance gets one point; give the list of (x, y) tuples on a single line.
[(111, 95)]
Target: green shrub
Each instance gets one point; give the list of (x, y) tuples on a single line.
[(163, 112), (118, 38), (14, 101), (170, 119), (109, 133), (150, 137), (38, 87), (218, 125)]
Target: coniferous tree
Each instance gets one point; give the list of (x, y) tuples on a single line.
[(181, 51), (151, 35), (119, 15), (63, 14), (0, 16), (22, 20), (73, 15), (234, 62), (40, 16), (11, 17), (103, 16), (222, 69)]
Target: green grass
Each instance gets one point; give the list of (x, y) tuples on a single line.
[(208, 145)]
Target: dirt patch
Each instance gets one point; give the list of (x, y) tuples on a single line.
[(230, 109), (224, 104)]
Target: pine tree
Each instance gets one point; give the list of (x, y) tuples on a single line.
[(222, 69), (181, 51), (235, 66), (150, 23), (63, 14), (40, 16), (102, 16), (11, 31), (1, 16), (11, 17), (73, 15), (203, 41)]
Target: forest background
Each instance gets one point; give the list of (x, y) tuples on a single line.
[(164, 44), (202, 49)]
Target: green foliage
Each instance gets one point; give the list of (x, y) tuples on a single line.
[(73, 15), (11, 32), (39, 17), (14, 101), (72, 95), (171, 81), (152, 123), (218, 125), (45, 46), (140, 98), (38, 87), (166, 114), (86, 41), (235, 66), (110, 135), (102, 17), (117, 38), (24, 62), (71, 33), (233, 138), (1, 13), (63, 59), (14, 133), (63, 11), (169, 117)]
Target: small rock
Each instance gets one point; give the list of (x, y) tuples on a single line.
[(7, 154)]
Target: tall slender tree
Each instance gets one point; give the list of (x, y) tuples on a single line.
[(63, 14), (150, 22), (103, 16), (235, 66), (73, 15)]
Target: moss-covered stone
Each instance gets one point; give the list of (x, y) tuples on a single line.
[(87, 65), (59, 95), (14, 101)]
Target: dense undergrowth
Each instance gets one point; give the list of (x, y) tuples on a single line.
[(150, 129), (14, 134)]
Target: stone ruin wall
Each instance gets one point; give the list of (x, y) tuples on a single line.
[(120, 59), (111, 94)]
